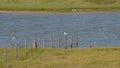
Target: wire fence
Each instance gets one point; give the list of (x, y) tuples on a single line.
[(65, 42)]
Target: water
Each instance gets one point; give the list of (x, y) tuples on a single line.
[(93, 29)]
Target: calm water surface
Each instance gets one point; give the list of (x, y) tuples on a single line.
[(93, 29)]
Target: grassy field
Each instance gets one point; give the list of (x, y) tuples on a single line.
[(57, 5), (60, 58)]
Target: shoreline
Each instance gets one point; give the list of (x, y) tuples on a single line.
[(54, 12)]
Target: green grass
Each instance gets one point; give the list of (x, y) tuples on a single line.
[(56, 5), (60, 58)]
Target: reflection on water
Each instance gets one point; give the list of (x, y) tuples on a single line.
[(93, 29)]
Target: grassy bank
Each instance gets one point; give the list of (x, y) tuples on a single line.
[(57, 5), (60, 58)]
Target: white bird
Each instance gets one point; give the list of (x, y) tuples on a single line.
[(65, 33), (13, 38)]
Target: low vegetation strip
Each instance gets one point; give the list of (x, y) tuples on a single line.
[(60, 5), (62, 58)]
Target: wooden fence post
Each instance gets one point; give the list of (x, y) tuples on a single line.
[(65, 40), (77, 41), (52, 45), (25, 48), (5, 54), (35, 43), (71, 41), (44, 45), (59, 41), (16, 50)]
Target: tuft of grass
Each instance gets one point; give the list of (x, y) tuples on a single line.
[(61, 58)]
